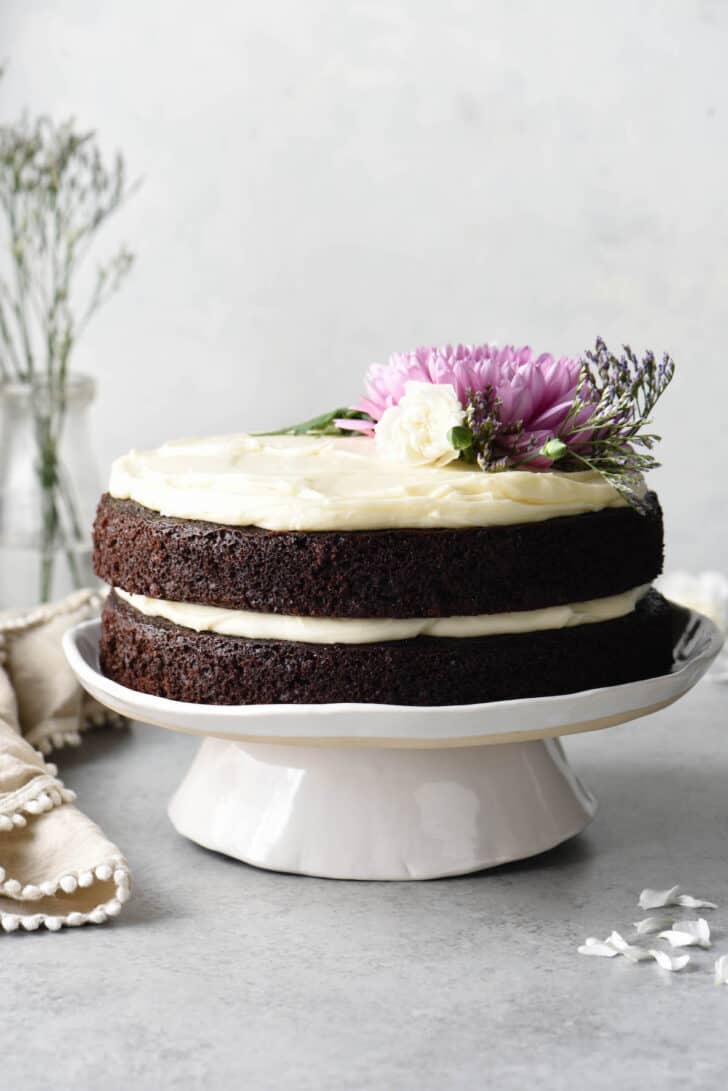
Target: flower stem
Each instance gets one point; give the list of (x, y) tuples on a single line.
[(55, 496), (50, 529)]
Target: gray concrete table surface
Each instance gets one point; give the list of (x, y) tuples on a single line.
[(219, 975)]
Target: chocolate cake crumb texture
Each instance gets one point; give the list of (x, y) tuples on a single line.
[(155, 656), (378, 573)]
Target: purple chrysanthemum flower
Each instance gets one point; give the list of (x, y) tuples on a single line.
[(532, 395)]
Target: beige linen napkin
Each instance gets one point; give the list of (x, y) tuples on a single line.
[(56, 866)]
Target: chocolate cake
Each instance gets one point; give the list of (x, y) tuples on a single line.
[(156, 656), (305, 569), (433, 572)]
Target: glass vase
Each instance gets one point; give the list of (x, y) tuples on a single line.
[(49, 487)]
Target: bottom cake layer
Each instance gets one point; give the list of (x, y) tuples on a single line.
[(155, 656)]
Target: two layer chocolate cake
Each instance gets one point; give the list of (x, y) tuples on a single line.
[(319, 568)]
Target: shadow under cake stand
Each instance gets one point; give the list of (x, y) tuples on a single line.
[(361, 791)]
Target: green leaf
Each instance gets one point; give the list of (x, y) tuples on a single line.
[(322, 425), (460, 437)]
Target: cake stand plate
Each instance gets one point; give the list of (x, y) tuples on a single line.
[(356, 791)]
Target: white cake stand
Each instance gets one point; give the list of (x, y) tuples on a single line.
[(356, 791)]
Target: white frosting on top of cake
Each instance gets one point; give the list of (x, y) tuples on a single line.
[(322, 630), (340, 483)]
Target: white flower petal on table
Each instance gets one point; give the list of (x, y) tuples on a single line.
[(668, 961), (659, 899), (598, 948), (629, 950), (653, 924), (721, 970), (688, 934), (687, 901), (616, 944)]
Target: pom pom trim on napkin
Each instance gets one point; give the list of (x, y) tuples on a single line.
[(56, 866), (115, 870), (101, 890)]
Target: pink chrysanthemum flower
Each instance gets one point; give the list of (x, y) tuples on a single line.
[(534, 394)]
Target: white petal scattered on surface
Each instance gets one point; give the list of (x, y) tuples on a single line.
[(699, 928), (668, 961), (687, 901), (658, 899), (688, 934), (721, 970), (597, 948), (653, 924), (616, 944), (630, 952)]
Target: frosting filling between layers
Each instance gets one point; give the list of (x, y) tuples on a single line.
[(312, 630), (340, 483)]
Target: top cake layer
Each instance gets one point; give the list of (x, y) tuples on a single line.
[(305, 483)]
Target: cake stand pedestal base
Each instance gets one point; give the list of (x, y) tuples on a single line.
[(378, 813)]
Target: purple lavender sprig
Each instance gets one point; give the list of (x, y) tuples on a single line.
[(487, 439), (605, 427)]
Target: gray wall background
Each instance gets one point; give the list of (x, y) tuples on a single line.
[(325, 182)]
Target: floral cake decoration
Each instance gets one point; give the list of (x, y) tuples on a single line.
[(506, 408)]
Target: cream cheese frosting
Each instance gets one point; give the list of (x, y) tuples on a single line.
[(340, 483), (315, 630)]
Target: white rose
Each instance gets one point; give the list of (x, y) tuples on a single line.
[(416, 430)]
